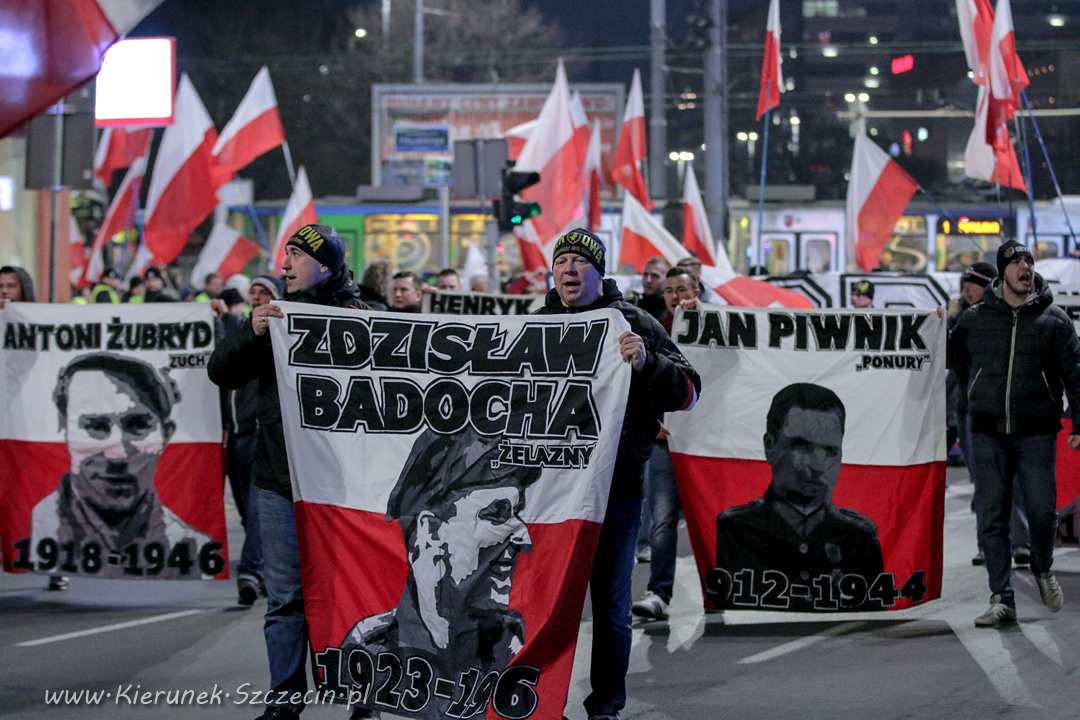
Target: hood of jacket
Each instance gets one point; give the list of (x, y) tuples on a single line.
[(1041, 296), (338, 289), (609, 294)]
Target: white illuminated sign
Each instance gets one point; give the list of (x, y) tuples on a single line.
[(136, 83)]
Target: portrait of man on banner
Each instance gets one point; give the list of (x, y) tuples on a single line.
[(460, 514), (105, 518), (795, 529)]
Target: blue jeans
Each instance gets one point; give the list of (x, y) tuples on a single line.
[(610, 592), (663, 493), (997, 463), (285, 627), (240, 456)]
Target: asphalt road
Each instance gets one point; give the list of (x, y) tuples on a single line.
[(130, 637)]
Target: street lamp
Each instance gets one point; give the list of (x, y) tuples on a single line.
[(360, 33), (751, 143)]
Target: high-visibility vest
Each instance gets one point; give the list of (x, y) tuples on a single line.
[(104, 287)]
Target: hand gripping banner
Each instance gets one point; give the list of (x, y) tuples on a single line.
[(111, 442), (450, 479), (812, 471)]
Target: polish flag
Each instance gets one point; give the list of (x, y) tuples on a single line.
[(582, 135), (142, 260), (593, 176), (183, 188), (644, 237), (299, 211), (517, 136), (994, 163), (697, 235), (117, 149), (746, 291), (1007, 75), (631, 150), (254, 129), (118, 218), (52, 48), (769, 95), (976, 19), (878, 192), (226, 252), (551, 151)]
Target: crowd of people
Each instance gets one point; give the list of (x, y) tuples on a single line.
[(1012, 356)]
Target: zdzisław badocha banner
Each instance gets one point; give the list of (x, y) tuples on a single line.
[(111, 442), (450, 478), (812, 471)]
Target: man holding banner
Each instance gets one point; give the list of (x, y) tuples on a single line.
[(662, 381), (315, 272), (1015, 353)]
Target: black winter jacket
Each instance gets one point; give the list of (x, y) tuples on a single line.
[(667, 383), (243, 356), (1014, 363)]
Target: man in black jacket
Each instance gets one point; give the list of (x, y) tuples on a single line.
[(315, 272), (662, 381), (1015, 352)]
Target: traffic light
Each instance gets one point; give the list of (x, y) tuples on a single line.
[(509, 211)]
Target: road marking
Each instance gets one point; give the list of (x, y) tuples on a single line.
[(801, 643), (107, 628), (1039, 636), (987, 649)]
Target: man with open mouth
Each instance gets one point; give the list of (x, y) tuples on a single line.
[(1015, 354)]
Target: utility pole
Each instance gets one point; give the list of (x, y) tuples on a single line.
[(658, 159), (716, 121), (418, 45)]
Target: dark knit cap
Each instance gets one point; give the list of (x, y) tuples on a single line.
[(1008, 252), (231, 297), (322, 243), (980, 273), (153, 271), (272, 284), (583, 243), (863, 287)]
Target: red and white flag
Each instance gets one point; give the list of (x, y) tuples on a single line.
[(594, 177), (483, 525), (51, 48), (117, 149), (517, 136), (878, 192), (697, 235), (643, 237), (771, 79), (77, 246), (299, 211), (631, 151), (551, 150), (877, 503), (996, 163), (183, 187), (976, 19), (254, 128), (582, 133), (118, 218), (1007, 75), (747, 291), (226, 252)]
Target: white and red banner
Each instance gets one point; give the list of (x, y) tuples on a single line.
[(771, 80), (644, 236), (118, 218), (184, 184), (299, 211), (813, 471), (697, 235), (118, 148), (469, 462), (111, 442), (631, 150), (254, 128), (878, 192), (226, 252)]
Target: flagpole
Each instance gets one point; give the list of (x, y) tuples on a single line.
[(761, 192), (1027, 170), (288, 161), (1049, 165)]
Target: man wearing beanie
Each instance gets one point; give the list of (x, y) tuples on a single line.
[(1015, 353), (862, 295), (662, 381), (315, 272)]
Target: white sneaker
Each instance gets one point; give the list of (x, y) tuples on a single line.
[(1050, 591), (997, 614), (652, 607)]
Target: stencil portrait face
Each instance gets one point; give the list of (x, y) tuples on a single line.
[(114, 440), (805, 456)]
